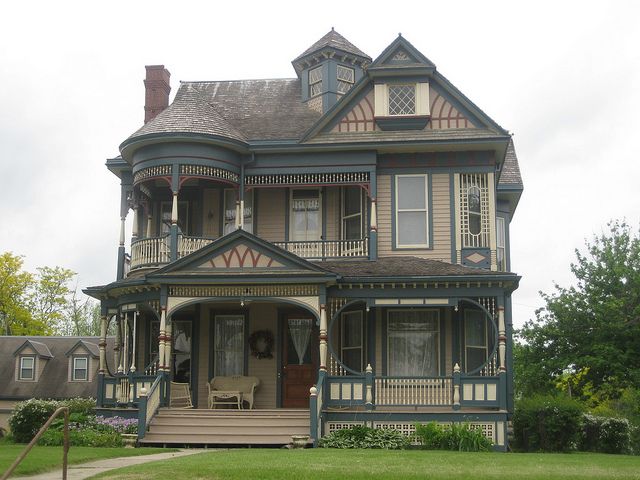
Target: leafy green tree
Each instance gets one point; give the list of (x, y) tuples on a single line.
[(15, 318), (586, 340), (81, 316), (49, 294)]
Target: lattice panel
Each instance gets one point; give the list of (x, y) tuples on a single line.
[(402, 99), (247, 291), (348, 178), (152, 172), (468, 183), (487, 429), (209, 172), (335, 426), (405, 428)]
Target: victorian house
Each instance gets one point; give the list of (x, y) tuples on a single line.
[(312, 253)]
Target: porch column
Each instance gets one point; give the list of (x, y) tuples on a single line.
[(103, 345), (132, 368), (502, 339), (167, 346), (117, 350), (174, 227), (373, 218), (149, 222), (161, 338), (323, 337), (121, 251)]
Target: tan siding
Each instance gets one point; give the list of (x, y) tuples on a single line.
[(271, 214), (448, 352), (440, 210), (6, 406), (264, 317), (377, 368), (211, 206), (333, 213)]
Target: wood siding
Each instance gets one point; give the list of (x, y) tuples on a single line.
[(271, 206), (333, 213), (264, 317), (211, 198), (439, 210)]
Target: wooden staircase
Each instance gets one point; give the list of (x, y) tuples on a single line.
[(226, 427)]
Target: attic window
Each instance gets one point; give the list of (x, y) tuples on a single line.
[(402, 99), (315, 81), (346, 79), (80, 369), (27, 364)]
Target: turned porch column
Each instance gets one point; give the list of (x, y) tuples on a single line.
[(134, 339), (174, 227), (134, 227), (373, 218), (162, 339), (103, 345), (323, 337)]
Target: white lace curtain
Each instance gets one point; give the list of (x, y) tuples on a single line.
[(300, 331), (228, 345), (413, 343)]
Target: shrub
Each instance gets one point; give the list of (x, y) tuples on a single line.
[(360, 436), (547, 423), (605, 434), (29, 416), (460, 437), (82, 438)]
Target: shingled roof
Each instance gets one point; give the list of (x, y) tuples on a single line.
[(53, 380), (334, 40), (242, 110), (510, 176), (401, 266)]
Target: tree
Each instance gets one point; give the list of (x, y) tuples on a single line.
[(586, 340), (49, 294), (81, 317), (15, 318)]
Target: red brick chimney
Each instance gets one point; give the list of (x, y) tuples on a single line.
[(157, 88)]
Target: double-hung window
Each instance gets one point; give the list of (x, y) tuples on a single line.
[(230, 211), (413, 343), (27, 368), (412, 225), (228, 345), (351, 336), (306, 220), (501, 251), (80, 369), (352, 213)]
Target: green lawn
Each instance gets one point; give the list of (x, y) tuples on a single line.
[(243, 464), (42, 459)]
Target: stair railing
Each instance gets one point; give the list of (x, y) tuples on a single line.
[(65, 443)]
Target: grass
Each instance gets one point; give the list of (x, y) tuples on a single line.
[(320, 464), (43, 459)]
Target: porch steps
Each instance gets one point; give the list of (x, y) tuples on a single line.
[(226, 427)]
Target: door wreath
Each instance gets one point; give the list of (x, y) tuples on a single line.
[(261, 344)]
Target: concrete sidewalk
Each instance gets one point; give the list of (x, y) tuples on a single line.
[(85, 470)]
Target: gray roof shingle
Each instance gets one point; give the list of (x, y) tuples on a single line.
[(334, 40), (400, 266), (510, 175)]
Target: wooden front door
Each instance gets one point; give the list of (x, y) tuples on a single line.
[(299, 360)]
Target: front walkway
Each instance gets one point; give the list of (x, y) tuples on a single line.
[(85, 470)]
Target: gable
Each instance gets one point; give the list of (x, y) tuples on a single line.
[(444, 115), (243, 256)]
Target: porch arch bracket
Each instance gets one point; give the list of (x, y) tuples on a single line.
[(493, 324), (336, 315)]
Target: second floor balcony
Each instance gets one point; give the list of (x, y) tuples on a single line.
[(156, 251)]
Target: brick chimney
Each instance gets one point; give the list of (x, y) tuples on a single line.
[(156, 91)]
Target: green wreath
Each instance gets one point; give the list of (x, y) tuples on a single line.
[(261, 344)]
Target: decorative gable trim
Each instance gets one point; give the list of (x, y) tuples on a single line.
[(242, 256)]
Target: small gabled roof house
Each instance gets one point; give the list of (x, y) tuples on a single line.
[(332, 248)]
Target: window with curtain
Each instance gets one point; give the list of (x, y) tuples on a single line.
[(181, 351), (230, 211), (305, 215), (413, 343), (228, 345), (411, 211), (351, 340), (475, 336)]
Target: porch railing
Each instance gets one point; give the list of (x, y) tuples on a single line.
[(150, 401), (323, 249), (316, 404), (421, 391), (150, 251), (188, 245)]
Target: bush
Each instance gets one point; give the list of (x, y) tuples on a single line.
[(360, 436), (29, 416), (81, 438), (605, 434), (459, 437), (547, 423)]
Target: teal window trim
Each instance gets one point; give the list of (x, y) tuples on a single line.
[(394, 212)]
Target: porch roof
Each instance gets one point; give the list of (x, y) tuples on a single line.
[(407, 266)]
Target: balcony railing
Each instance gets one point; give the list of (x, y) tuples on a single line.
[(155, 251), (323, 249)]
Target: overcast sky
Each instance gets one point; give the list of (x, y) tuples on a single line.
[(562, 76)]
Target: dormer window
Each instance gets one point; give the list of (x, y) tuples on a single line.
[(402, 99), (27, 368), (80, 369), (346, 78), (315, 81)]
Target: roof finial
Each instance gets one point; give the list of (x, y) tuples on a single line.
[(332, 29), (399, 34)]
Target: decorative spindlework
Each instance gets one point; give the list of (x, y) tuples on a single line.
[(401, 56), (244, 290), (336, 303), (241, 256), (339, 178), (474, 210), (209, 172), (152, 172), (360, 118)]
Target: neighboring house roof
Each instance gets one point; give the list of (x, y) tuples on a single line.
[(334, 40), (403, 266), (40, 348), (92, 348), (53, 381), (510, 176)]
